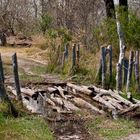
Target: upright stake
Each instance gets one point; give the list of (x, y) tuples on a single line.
[(137, 70), (16, 76), (73, 56), (78, 54), (66, 50), (118, 77), (65, 55), (130, 68), (1, 70), (125, 64), (110, 62), (103, 54)]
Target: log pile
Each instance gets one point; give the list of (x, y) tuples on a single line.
[(69, 98), (19, 40)]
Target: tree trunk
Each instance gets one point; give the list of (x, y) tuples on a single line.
[(110, 9)]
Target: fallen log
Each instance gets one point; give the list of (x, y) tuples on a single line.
[(82, 103), (25, 91), (64, 103), (112, 94), (61, 91), (130, 109), (80, 89), (115, 103), (104, 102)]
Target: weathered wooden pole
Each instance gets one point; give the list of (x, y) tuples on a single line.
[(103, 58), (130, 68), (1, 70), (78, 54), (3, 95), (67, 50), (110, 62), (4, 98), (137, 70), (118, 77), (16, 76), (65, 55), (73, 56), (125, 70)]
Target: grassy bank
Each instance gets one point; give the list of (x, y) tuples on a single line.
[(108, 129), (25, 127)]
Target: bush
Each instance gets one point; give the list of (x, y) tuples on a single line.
[(45, 23), (57, 39), (107, 32)]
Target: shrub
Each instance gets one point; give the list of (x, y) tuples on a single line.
[(45, 22), (107, 32)]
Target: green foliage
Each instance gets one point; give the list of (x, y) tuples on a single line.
[(61, 33), (45, 22), (52, 34), (57, 38), (132, 31), (107, 30), (65, 35), (30, 78), (25, 128)]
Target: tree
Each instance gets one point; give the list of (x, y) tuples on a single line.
[(110, 9)]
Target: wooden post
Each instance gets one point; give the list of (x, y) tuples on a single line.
[(110, 62), (65, 55), (66, 50), (2, 91), (125, 64), (118, 77), (78, 54), (130, 68), (5, 98), (1, 70), (137, 70), (3, 95), (103, 55), (73, 56), (16, 76)]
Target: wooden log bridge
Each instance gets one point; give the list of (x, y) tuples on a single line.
[(71, 97)]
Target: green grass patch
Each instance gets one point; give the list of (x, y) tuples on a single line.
[(39, 69), (111, 129), (30, 78), (24, 128)]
